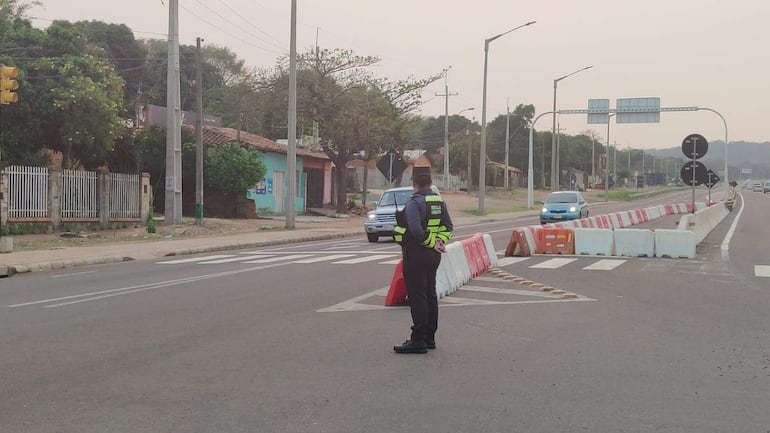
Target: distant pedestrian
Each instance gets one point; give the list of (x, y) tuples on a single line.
[(424, 227), (730, 202)]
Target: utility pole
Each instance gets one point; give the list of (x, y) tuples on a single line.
[(629, 165), (507, 139), (470, 152), (446, 96), (173, 203), (199, 147), (593, 159), (291, 155)]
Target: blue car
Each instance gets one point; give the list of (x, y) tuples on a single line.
[(563, 206)]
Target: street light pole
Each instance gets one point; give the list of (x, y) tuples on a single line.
[(530, 167), (483, 147), (607, 162), (727, 179), (554, 149)]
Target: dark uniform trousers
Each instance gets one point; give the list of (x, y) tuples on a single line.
[(420, 280)]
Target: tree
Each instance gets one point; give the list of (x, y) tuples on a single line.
[(233, 169)]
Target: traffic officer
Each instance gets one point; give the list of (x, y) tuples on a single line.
[(424, 227)]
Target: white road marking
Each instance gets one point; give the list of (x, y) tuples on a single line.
[(363, 259), (762, 270), (391, 262), (553, 263), (92, 296), (505, 261), (72, 274), (605, 265), (322, 258), (234, 259), (279, 258), (194, 259), (725, 248)]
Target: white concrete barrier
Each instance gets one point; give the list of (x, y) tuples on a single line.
[(594, 241), (634, 242), (490, 249), (675, 243), (703, 221)]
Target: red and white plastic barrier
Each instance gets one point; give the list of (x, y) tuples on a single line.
[(460, 262)]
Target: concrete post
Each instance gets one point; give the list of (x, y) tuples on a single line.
[(6, 243), (103, 192), (146, 198), (54, 197), (4, 202)]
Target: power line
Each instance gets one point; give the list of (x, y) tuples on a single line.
[(237, 26), (227, 33), (250, 23)]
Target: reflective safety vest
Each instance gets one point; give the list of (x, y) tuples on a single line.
[(435, 230)]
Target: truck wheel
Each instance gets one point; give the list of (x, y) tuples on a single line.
[(372, 237)]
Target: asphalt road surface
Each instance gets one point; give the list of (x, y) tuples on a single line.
[(296, 339)]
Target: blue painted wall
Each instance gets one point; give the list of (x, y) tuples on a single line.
[(263, 194)]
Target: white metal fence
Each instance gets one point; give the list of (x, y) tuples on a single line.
[(125, 196), (27, 192), (81, 197), (79, 194)]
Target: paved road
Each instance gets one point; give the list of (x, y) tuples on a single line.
[(275, 346)]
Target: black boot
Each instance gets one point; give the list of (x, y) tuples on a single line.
[(410, 346)]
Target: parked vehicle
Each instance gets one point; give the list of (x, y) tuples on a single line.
[(757, 187), (562, 206), (382, 220), (766, 186)]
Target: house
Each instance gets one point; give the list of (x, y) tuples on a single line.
[(515, 178), (376, 180), (314, 171)]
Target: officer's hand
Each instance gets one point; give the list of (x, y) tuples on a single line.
[(439, 247)]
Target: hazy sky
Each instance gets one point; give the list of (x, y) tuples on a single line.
[(703, 53)]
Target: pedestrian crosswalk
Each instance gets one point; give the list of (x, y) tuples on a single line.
[(541, 262), (342, 258)]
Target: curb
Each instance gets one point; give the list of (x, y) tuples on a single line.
[(63, 264)]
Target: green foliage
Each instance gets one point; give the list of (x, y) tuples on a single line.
[(152, 225), (232, 169)]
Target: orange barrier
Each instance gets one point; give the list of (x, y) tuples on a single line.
[(518, 245), (555, 241), (397, 291)]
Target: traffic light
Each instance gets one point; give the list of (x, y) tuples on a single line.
[(8, 84)]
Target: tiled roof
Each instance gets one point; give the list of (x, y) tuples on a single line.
[(213, 135)]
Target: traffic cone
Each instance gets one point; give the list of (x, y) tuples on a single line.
[(397, 291)]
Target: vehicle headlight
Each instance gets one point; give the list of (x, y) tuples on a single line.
[(573, 209), (545, 209), (371, 216)]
